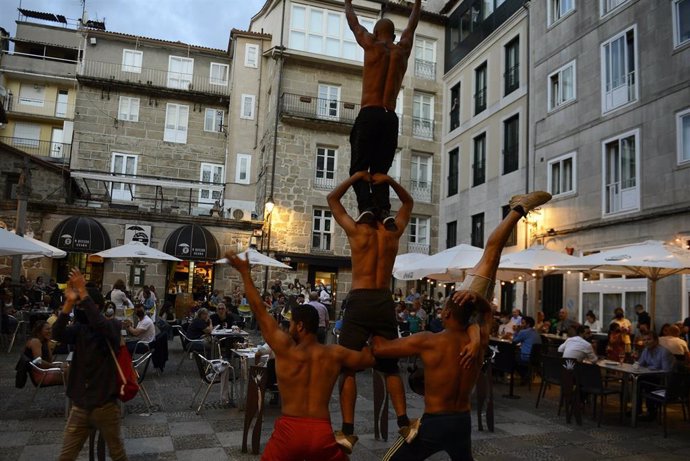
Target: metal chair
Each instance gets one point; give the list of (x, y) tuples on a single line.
[(675, 391), (21, 325), (534, 364), (141, 365), (43, 373), (210, 372), (550, 375), (589, 381), (187, 344)]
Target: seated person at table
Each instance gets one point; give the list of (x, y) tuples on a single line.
[(222, 317), (592, 322), (38, 347), (577, 347), (145, 331), (673, 343), (565, 323), (641, 339), (200, 328), (526, 337), (653, 357), (307, 372), (615, 349), (505, 328)]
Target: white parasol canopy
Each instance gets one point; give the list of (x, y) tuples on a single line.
[(447, 265), (256, 258), (12, 244), (136, 250), (536, 258), (404, 260), (55, 252)]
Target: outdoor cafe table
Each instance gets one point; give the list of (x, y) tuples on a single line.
[(634, 374), (220, 334), (244, 356)]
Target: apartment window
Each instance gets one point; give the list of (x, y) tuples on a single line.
[(453, 159), (399, 110), (511, 78), (322, 229), (454, 106), (329, 101), (561, 175), (558, 9), (425, 58), (477, 236), (128, 109), (131, 61), (609, 5), (180, 72), (423, 116), (451, 234), (27, 134), (419, 235), (32, 94), (121, 165), (321, 31), (621, 160), (561, 86), (479, 160), (213, 120), (61, 103), (219, 74), (247, 106), (512, 238), (619, 70), (681, 22), (176, 120), (480, 88), (683, 135), (511, 144), (211, 173), (243, 168), (420, 177), (251, 55), (325, 167)]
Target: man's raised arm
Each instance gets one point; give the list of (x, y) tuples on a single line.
[(337, 208), (274, 336), (407, 36), (363, 37)]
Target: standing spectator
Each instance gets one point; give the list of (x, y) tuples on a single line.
[(415, 323), (119, 298), (577, 347), (436, 324), (615, 349), (398, 296), (324, 295), (323, 316), (418, 307), (412, 296), (440, 300), (643, 317), (592, 322), (92, 383), (626, 327)]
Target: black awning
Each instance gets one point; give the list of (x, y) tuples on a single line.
[(193, 243), (315, 259), (80, 235)]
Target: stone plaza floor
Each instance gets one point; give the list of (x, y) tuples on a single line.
[(33, 431)]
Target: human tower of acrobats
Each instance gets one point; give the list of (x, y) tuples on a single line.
[(307, 371)]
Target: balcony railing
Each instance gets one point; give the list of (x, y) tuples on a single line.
[(154, 78), (479, 100), (512, 79), (425, 69), (423, 128), (40, 107), (324, 183), (420, 190), (55, 151), (621, 91), (418, 248), (319, 109)]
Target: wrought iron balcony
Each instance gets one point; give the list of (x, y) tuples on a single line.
[(512, 79), (152, 78), (423, 128), (425, 69), (310, 107), (420, 190), (479, 100), (418, 248), (53, 151)]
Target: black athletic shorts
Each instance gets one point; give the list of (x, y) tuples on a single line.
[(369, 312)]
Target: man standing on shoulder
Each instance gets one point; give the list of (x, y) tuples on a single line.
[(307, 372), (374, 136), (92, 383), (323, 316)]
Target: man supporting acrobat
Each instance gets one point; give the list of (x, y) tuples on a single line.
[(445, 425)]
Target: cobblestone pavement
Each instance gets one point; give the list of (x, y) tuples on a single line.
[(32, 431)]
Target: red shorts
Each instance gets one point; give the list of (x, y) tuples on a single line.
[(298, 439)]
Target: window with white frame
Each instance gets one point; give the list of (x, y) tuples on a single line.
[(61, 103), (27, 134), (211, 173), (423, 115), (322, 229), (621, 159), (329, 101), (425, 58), (322, 31), (31, 94), (176, 120), (213, 120), (131, 61), (122, 165), (619, 70), (251, 55), (243, 168), (399, 110), (562, 86), (180, 72), (562, 175), (683, 135), (681, 22), (247, 111), (394, 170), (558, 9), (609, 5), (128, 109), (326, 158), (419, 234), (219, 74), (420, 177)]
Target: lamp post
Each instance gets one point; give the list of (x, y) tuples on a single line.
[(268, 215)]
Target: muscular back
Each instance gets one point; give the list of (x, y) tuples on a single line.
[(373, 256), (385, 64)]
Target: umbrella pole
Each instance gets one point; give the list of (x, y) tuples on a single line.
[(652, 302)]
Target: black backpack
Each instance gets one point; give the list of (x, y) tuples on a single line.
[(22, 369)]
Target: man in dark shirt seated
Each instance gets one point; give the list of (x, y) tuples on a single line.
[(200, 328), (222, 317)]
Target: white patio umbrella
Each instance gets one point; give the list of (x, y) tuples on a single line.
[(11, 244), (447, 265), (55, 252), (136, 250), (536, 259), (651, 259), (258, 259), (404, 260)]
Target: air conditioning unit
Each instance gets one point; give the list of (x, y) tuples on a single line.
[(240, 215)]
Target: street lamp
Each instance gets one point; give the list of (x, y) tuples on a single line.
[(268, 215)]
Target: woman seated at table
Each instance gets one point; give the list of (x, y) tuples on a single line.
[(222, 318), (592, 322), (615, 350), (38, 347)]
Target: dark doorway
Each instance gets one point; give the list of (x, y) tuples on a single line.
[(552, 297), (507, 297)]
